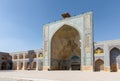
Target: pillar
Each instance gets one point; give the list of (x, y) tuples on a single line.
[(12, 56), (0, 65), (12, 61), (23, 68), (37, 60), (47, 48), (107, 58), (17, 64), (17, 61), (87, 56)]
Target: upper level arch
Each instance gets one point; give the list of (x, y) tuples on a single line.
[(114, 48), (99, 50)]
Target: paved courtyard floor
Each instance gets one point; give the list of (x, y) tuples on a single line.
[(60, 76)]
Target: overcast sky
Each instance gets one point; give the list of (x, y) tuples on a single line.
[(21, 21)]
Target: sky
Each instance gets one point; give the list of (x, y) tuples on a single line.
[(21, 21)]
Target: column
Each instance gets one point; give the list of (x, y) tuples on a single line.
[(17, 61), (87, 43), (12, 61), (0, 65), (47, 48), (17, 64), (12, 56), (37, 59), (23, 68)]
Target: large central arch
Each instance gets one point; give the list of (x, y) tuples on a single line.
[(67, 38), (65, 44)]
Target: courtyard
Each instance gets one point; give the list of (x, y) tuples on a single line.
[(59, 76)]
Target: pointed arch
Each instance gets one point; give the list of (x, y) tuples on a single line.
[(63, 25), (99, 50), (64, 42), (114, 48), (99, 65), (3, 66), (15, 57), (20, 65), (114, 59), (14, 65), (20, 56)]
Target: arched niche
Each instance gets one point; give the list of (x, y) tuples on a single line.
[(3, 66), (99, 50), (99, 65), (40, 55), (114, 59), (64, 43), (15, 56), (20, 65), (34, 55), (14, 65), (20, 56), (26, 55)]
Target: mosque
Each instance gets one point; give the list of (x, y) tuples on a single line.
[(68, 45)]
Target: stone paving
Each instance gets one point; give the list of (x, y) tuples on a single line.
[(58, 76)]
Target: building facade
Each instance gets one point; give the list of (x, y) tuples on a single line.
[(68, 45), (27, 60), (107, 56)]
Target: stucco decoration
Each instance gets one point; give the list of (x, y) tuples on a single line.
[(87, 33), (99, 51)]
